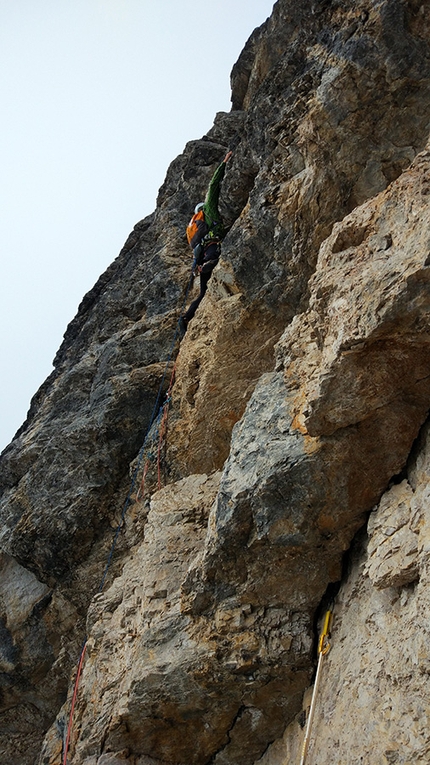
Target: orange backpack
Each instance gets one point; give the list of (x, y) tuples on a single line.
[(197, 229)]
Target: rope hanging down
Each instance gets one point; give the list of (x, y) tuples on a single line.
[(323, 649), (162, 417), (157, 437)]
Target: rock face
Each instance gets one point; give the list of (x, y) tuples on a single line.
[(376, 674), (301, 387)]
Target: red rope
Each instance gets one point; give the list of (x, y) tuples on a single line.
[(163, 428), (142, 483), (172, 379), (74, 697)]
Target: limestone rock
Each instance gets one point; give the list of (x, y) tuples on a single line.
[(349, 76), (303, 380), (38, 633), (372, 266), (393, 540), (139, 620), (317, 445), (288, 505), (376, 673)]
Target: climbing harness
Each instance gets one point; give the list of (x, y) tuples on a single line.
[(161, 428), (323, 649)]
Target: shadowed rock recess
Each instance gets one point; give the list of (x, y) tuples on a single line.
[(298, 412)]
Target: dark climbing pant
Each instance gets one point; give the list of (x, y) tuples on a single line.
[(204, 278), (210, 260)]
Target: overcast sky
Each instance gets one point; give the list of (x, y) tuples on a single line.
[(97, 98)]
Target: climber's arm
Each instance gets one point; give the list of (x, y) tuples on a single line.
[(212, 196)]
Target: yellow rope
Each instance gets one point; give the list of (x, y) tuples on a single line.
[(323, 649)]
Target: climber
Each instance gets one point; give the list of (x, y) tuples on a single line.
[(208, 249)]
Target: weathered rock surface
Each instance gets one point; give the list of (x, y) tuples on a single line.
[(301, 386), (376, 674), (139, 620), (327, 129)]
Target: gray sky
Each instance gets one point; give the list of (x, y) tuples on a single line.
[(96, 100)]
